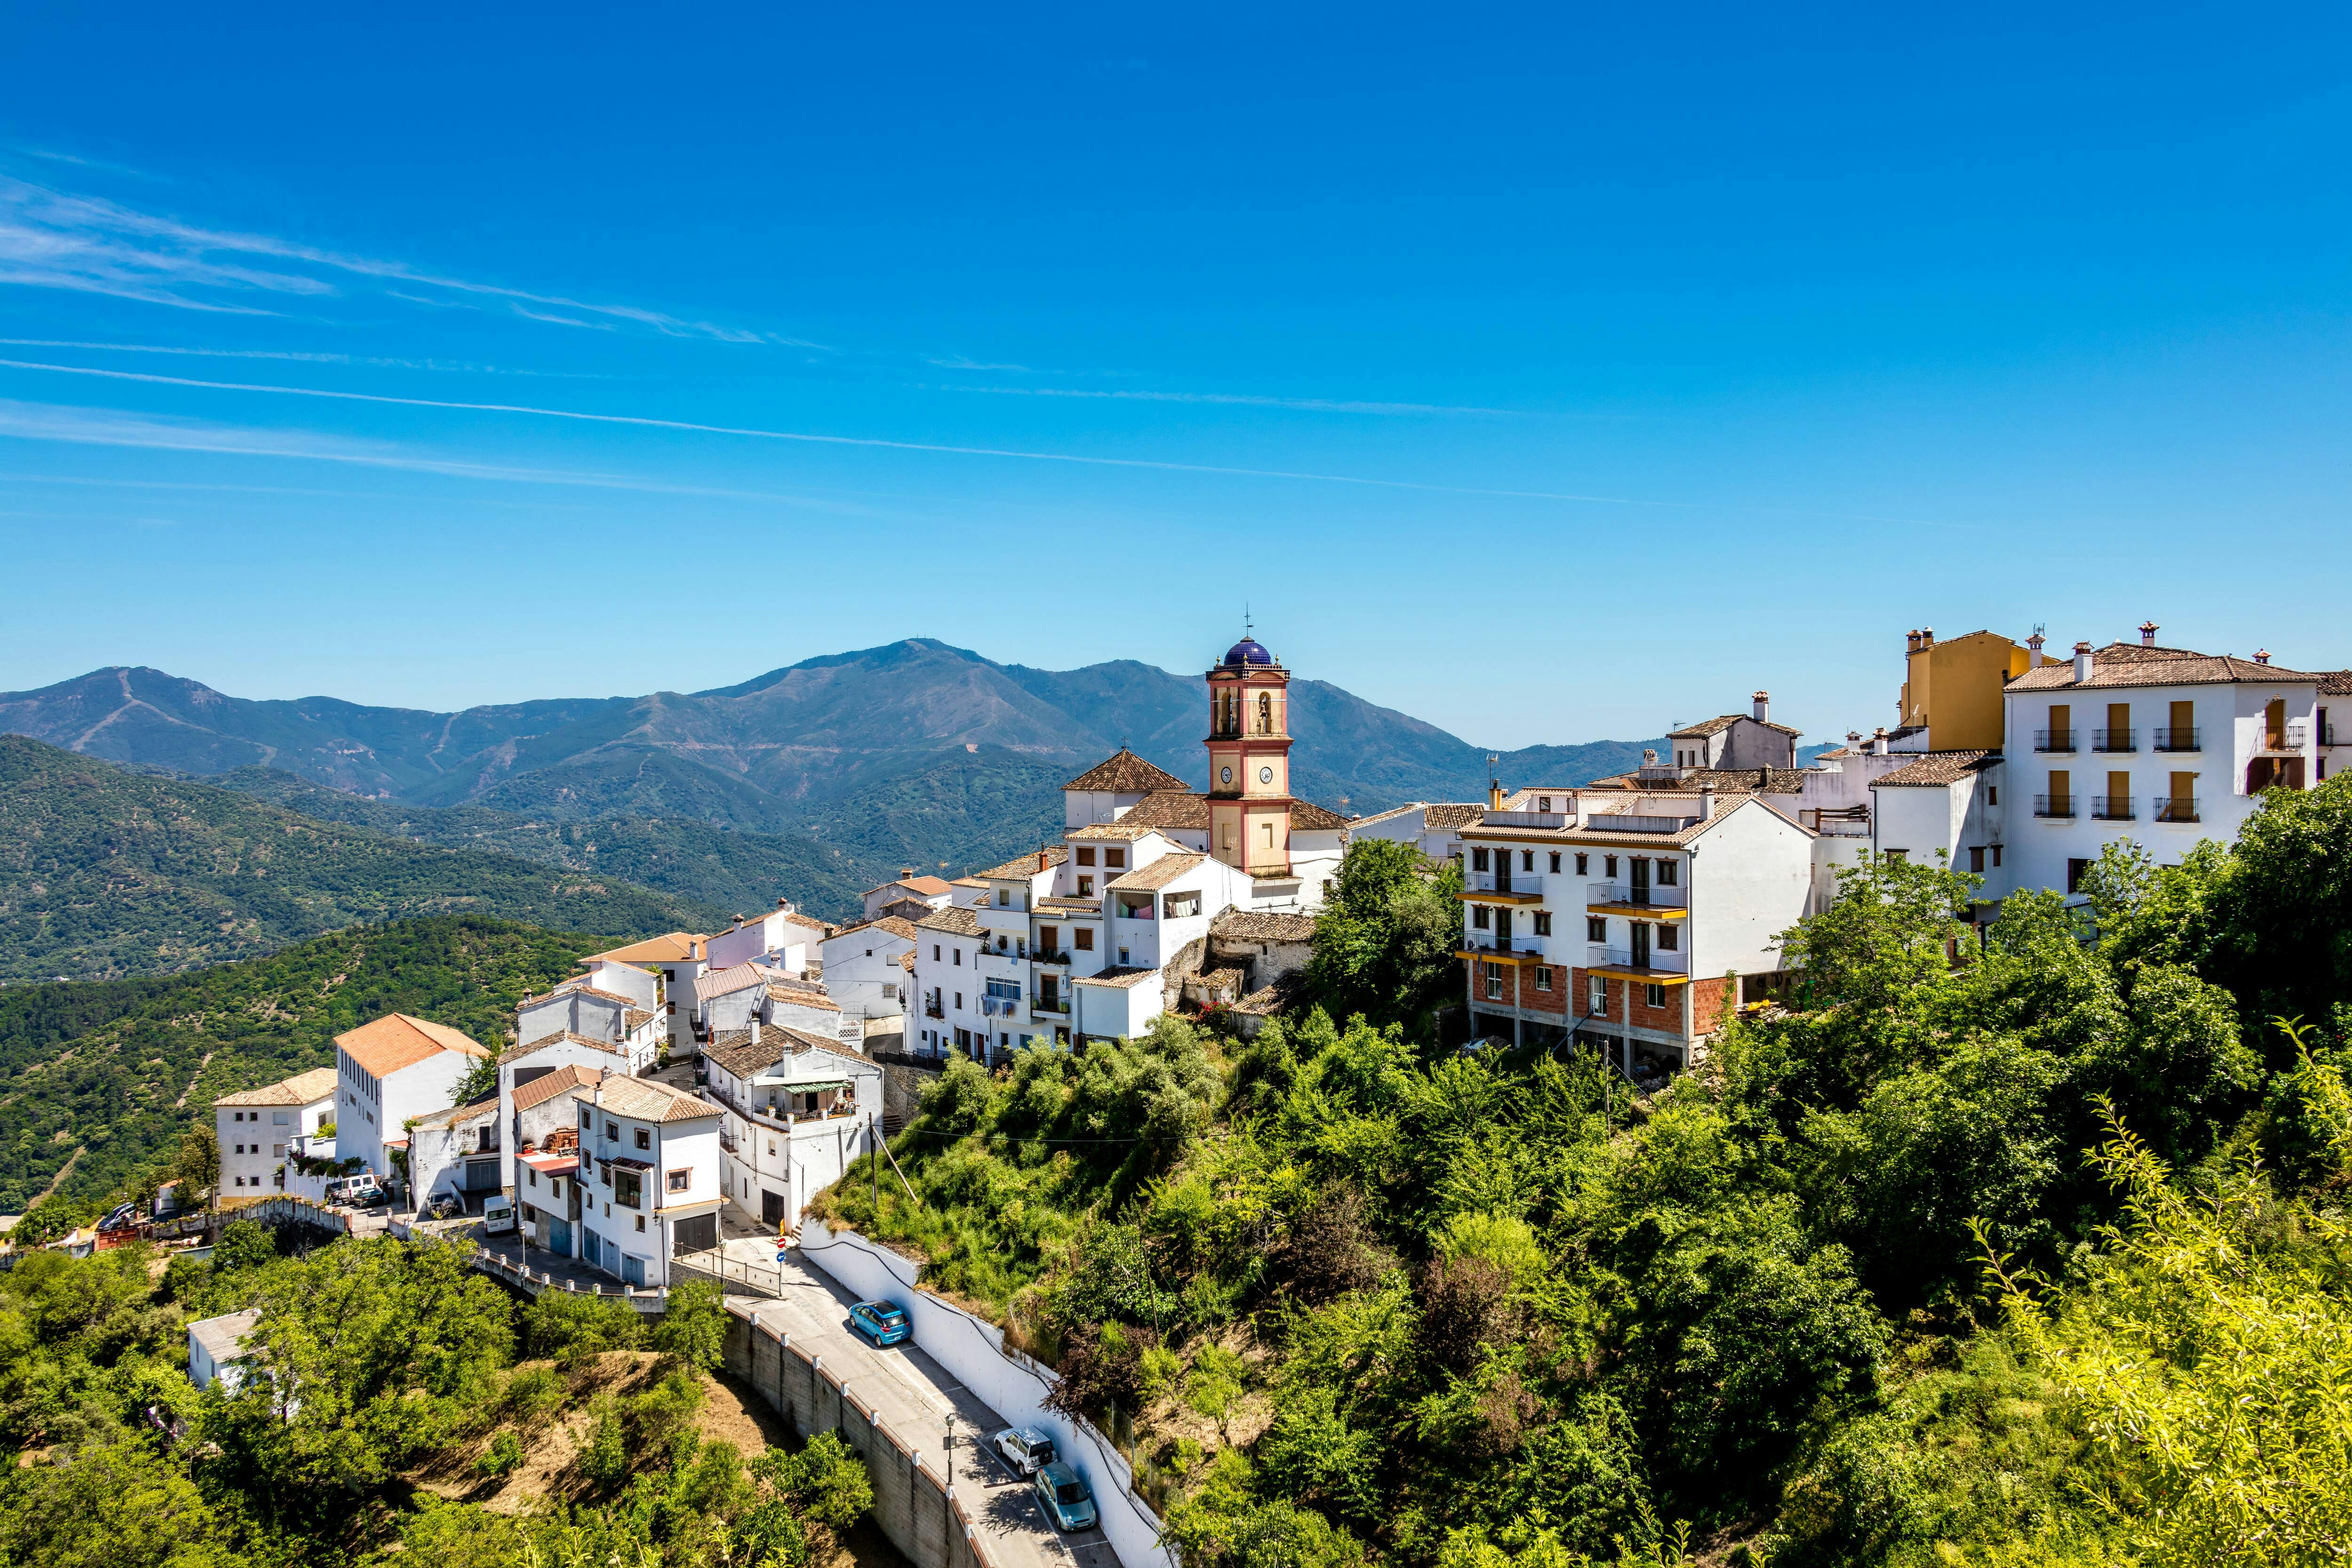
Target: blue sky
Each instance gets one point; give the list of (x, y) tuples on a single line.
[(1549, 373)]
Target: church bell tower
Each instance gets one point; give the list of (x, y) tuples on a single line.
[(1249, 761)]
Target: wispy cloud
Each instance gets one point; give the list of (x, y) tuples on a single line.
[(1310, 405), (298, 356), (54, 239)]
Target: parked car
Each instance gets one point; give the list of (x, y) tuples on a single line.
[(359, 1191), (497, 1217), (881, 1321), (1064, 1497), (1024, 1448)]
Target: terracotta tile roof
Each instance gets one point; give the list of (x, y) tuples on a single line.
[(906, 960), (1119, 976), (951, 922), (1383, 816), (635, 1018), (1169, 808), (396, 1040), (1444, 814), (1159, 874), (1216, 978), (967, 882), (1124, 773), (892, 925), (303, 1088), (1754, 780), (2336, 683), (579, 987), (1834, 753), (742, 977), (1064, 904), (1314, 818), (1022, 866), (562, 1037), (645, 1100), (677, 947), (1268, 1000), (2135, 664), (928, 886), (1723, 722), (1255, 925), (797, 997), (486, 1107), (797, 919), (740, 1056), (1127, 831), (547, 1085), (1937, 768)]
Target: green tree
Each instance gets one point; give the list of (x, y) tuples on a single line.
[(2281, 911), (1386, 936), (120, 1505), (575, 1329), (693, 1327)]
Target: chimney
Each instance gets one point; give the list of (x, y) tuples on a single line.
[(1763, 700), (1926, 637), (2082, 662), (2033, 651), (1878, 742), (1044, 858), (1854, 740), (2147, 633), (755, 1028), (1707, 804), (1495, 788), (2262, 656), (906, 873), (1912, 640)]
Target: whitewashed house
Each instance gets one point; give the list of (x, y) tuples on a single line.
[(782, 939), (648, 1177), (388, 1071), (797, 1109), (629, 1020), (217, 1349), (455, 1153), (867, 967), (678, 958), (519, 1067), (928, 891), (258, 1128)]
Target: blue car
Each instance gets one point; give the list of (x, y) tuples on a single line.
[(1064, 1497), (880, 1321)]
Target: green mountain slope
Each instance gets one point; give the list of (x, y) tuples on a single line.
[(712, 866), (107, 1075), (106, 874)]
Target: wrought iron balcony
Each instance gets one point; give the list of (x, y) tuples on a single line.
[(1600, 955), (2053, 806), (2178, 738), (2115, 740), (2173, 808), (2053, 740), (2112, 807)]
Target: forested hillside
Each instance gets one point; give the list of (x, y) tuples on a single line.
[(2025, 1250), (709, 867), (106, 874), (104, 1077)]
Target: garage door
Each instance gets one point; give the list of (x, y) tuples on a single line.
[(481, 1176), (699, 1234)]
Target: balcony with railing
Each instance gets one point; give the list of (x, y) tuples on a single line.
[(1504, 887), (1050, 955), (2053, 806), (2112, 807), (2115, 740), (2172, 809), (2053, 740), (1614, 896), (1600, 956), (1056, 1007), (2289, 739), (1509, 950), (2177, 738)]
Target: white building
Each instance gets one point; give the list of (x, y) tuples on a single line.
[(797, 1110), (1433, 828), (545, 1131), (679, 959), (257, 1129), (455, 1153), (521, 1066), (618, 1003), (648, 1178), (870, 968), (217, 1349), (1630, 920), (388, 1071), (782, 939), (930, 892)]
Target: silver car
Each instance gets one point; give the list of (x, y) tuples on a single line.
[(1024, 1449)]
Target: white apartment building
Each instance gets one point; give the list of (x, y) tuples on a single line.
[(257, 1129), (388, 1071), (645, 1185), (1630, 920), (797, 1110)]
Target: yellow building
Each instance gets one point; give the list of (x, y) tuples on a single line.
[(1953, 688)]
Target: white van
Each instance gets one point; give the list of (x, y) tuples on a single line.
[(358, 1192), (497, 1217)]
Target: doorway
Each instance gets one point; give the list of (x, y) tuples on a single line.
[(1641, 871), (1641, 930), (772, 1208)]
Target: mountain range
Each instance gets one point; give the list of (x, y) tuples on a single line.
[(914, 753)]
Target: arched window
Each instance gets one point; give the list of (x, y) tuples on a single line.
[(1265, 713)]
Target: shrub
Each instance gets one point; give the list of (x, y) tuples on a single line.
[(533, 1393), (693, 1329), (605, 1457), (501, 1457), (575, 1329)]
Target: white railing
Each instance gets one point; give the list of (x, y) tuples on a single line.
[(1507, 882), (1599, 956), (1625, 822), (1653, 897)]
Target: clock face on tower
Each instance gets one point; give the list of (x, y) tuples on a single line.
[(1265, 775), (1225, 775)]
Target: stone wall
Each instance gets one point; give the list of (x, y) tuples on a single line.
[(903, 1078), (911, 1503)]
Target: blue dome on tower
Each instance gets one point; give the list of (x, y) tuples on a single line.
[(1249, 650)]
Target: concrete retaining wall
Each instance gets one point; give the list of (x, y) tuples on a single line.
[(1012, 1383), (912, 1502)]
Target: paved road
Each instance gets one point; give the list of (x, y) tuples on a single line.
[(913, 1394)]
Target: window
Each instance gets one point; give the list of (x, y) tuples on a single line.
[(1526, 860), (1086, 887), (644, 1137), (1896, 857), (1265, 713), (1481, 918), (2075, 870), (1996, 857), (1115, 859), (1596, 928), (1004, 898), (959, 957), (1543, 802), (1608, 865), (958, 995), (1269, 834), (1082, 939), (1993, 795), (641, 1221), (1177, 906), (1976, 856), (533, 1172), (237, 1115), (1655, 996), (1543, 977), (611, 1132), (1478, 860), (1543, 922), (1086, 854), (1669, 937), (1555, 859), (1666, 873), (1580, 862), (1597, 998), (1494, 983), (935, 953)]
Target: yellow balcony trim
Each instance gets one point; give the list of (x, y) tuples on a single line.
[(1639, 912), (1513, 896), (1644, 976), (1484, 956)]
